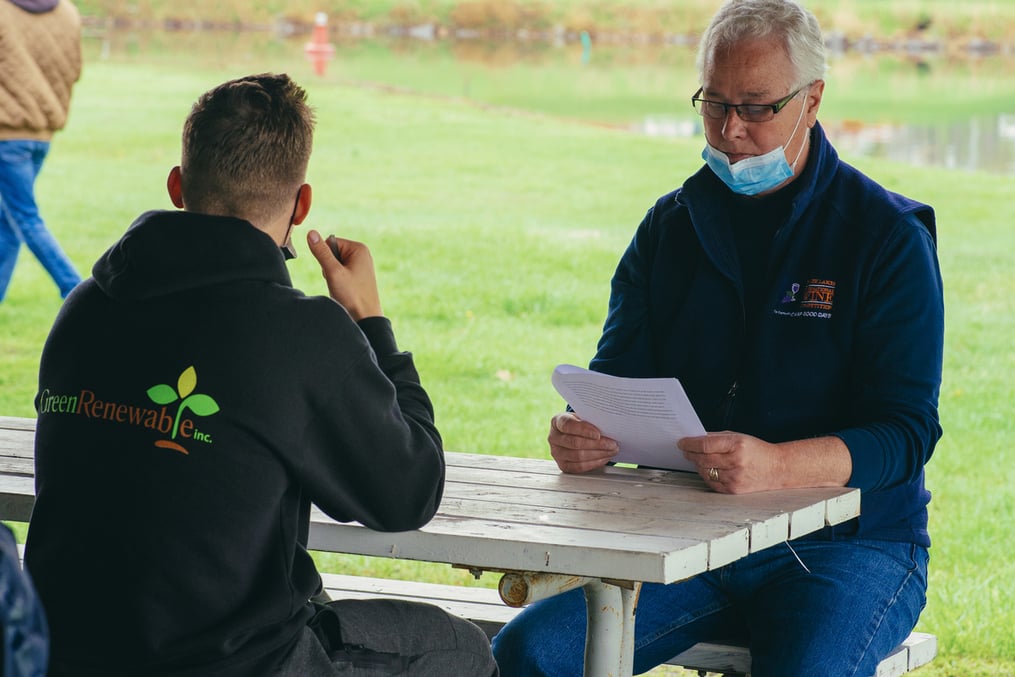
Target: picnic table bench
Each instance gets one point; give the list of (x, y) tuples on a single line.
[(544, 531), (484, 607)]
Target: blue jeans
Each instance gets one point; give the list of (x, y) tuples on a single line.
[(25, 636), (859, 601), (20, 162)]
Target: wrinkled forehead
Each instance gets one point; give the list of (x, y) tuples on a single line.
[(749, 69)]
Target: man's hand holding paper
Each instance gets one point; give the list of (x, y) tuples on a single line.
[(578, 446), (623, 420)]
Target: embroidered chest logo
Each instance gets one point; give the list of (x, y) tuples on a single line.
[(791, 293), (814, 298), (819, 294)]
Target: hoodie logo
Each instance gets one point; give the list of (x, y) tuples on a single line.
[(158, 419), (201, 405)]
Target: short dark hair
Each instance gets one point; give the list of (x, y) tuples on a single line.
[(246, 147)]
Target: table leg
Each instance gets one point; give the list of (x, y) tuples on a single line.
[(609, 640)]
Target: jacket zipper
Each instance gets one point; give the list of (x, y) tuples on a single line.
[(729, 400), (727, 405)]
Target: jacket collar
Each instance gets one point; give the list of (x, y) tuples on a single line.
[(708, 199)]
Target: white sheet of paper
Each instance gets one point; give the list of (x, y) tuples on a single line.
[(646, 416)]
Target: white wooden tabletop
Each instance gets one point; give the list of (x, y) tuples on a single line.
[(512, 514)]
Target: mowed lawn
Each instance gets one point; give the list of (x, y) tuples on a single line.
[(495, 235)]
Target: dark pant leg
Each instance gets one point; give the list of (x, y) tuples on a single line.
[(391, 637)]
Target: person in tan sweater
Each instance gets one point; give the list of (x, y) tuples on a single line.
[(40, 60)]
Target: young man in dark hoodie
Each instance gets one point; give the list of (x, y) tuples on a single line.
[(192, 405)]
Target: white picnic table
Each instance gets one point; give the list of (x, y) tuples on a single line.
[(547, 532)]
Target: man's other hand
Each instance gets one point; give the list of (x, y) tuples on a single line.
[(348, 268), (577, 446)]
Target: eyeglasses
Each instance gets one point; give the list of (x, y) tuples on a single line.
[(748, 112)]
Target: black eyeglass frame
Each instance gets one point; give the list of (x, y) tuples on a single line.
[(762, 109)]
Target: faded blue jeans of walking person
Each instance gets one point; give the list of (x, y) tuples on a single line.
[(20, 162), (839, 609)]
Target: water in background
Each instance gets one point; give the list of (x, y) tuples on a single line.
[(984, 142), (944, 110)]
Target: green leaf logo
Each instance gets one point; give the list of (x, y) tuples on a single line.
[(201, 405), (162, 394)]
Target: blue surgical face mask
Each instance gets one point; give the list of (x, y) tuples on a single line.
[(757, 174)]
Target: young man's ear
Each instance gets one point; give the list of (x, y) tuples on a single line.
[(303, 199), (175, 188)]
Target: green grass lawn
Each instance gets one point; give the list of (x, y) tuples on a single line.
[(495, 235)]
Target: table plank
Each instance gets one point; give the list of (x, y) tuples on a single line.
[(726, 542), (495, 545), (620, 494), (770, 517), (17, 423), (807, 509)]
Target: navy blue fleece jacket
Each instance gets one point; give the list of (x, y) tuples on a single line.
[(847, 336)]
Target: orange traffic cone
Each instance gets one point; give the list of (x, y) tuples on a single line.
[(319, 51)]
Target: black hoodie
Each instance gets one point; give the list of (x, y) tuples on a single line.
[(191, 406)]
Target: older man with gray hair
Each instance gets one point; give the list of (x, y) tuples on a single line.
[(800, 304)]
